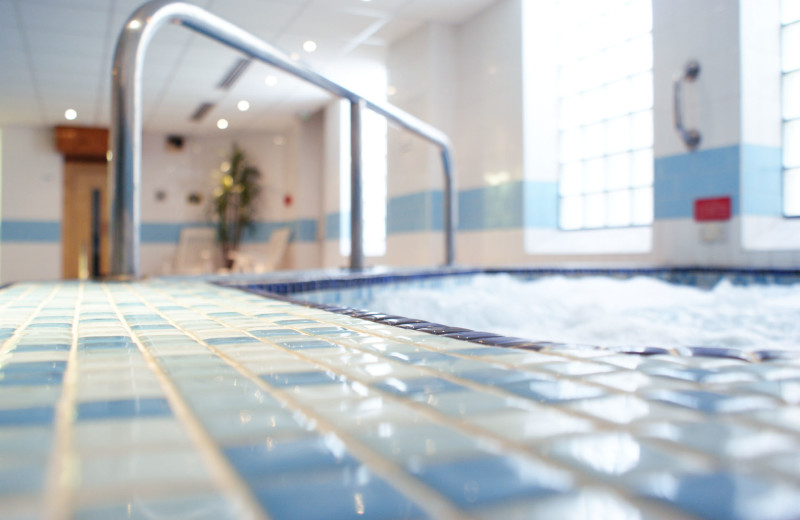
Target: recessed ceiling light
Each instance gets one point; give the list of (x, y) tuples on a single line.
[(70, 114), (243, 105), (271, 80), (309, 46), (222, 124)]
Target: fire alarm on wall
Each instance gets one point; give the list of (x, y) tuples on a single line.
[(287, 200)]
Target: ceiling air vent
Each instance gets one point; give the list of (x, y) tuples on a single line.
[(234, 73), (201, 111)]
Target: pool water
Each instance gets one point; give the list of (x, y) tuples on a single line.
[(603, 311)]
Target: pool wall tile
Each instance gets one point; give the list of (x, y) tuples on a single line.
[(186, 398)]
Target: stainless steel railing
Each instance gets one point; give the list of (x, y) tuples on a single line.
[(126, 125)]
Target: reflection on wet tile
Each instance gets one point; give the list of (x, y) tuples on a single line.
[(617, 454), (219, 404), (489, 479), (723, 495)]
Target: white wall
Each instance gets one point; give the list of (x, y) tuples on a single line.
[(31, 172), (31, 175)]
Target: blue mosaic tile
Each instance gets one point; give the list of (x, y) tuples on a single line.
[(419, 385), (122, 409), (421, 358), (359, 496), (266, 333), (207, 505), (37, 415), (483, 351), (711, 402), (308, 343), (499, 376), (307, 455), (30, 378), (232, 340), (288, 379), (295, 322), (554, 391), (480, 481), (50, 326), (724, 495), (41, 347), (21, 479)]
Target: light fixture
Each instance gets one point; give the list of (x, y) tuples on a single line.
[(271, 80), (70, 114), (222, 124), (309, 45), (243, 105)]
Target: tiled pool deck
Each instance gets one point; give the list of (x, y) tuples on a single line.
[(171, 399)]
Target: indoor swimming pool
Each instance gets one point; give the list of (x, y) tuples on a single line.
[(597, 310), (179, 398)]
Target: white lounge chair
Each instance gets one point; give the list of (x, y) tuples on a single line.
[(197, 251), (262, 259)]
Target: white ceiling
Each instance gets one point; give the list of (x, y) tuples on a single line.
[(56, 54)]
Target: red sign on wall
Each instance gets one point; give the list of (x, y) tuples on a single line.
[(708, 210)]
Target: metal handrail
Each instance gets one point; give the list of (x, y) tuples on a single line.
[(126, 125)]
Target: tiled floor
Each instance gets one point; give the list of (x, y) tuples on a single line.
[(188, 400)]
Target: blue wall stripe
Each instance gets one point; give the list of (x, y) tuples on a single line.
[(492, 207), (333, 225), (303, 230), (541, 204), (762, 180), (680, 179), (165, 232), (30, 231)]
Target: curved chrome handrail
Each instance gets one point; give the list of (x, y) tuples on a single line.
[(126, 125)]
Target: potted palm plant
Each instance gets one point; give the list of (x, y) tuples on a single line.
[(234, 202)]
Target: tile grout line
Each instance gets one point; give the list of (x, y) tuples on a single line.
[(439, 417), (12, 341), (61, 473), (607, 426), (432, 414), (424, 496), (564, 358), (222, 473)]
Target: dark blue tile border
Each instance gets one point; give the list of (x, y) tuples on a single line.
[(291, 290)]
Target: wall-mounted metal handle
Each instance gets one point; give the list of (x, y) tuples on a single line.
[(690, 137)]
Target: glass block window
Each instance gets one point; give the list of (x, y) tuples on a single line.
[(605, 113), (790, 65)]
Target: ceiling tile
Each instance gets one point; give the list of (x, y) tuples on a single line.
[(321, 22), (64, 18), (450, 11), (71, 45), (394, 30), (263, 19)]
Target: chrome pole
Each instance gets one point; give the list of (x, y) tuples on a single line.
[(126, 117), (356, 214)]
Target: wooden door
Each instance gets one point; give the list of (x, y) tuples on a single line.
[(85, 247)]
